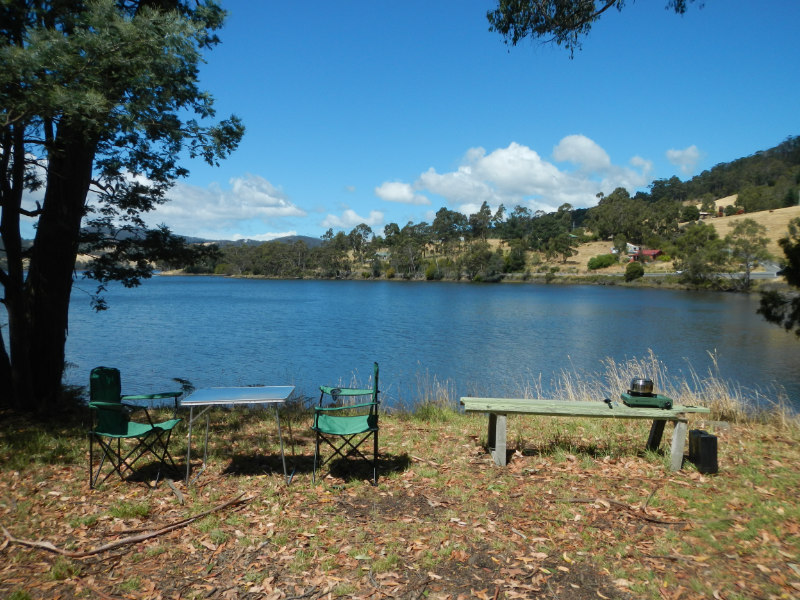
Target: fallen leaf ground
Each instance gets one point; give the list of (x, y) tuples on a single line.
[(580, 512)]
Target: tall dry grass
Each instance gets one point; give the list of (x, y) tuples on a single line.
[(728, 401)]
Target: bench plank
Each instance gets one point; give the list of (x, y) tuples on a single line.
[(582, 408), (498, 408)]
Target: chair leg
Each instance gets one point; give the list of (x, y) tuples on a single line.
[(375, 459), (316, 454), (348, 449), (120, 463), (164, 444), (107, 452), (91, 460)]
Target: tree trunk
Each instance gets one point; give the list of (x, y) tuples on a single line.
[(39, 317), (14, 277)]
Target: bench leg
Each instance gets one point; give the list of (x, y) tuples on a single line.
[(678, 442), (497, 438), (656, 431)]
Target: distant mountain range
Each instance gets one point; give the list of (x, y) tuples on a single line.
[(311, 242)]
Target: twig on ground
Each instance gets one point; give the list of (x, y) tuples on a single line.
[(124, 541), (423, 460), (650, 497), (175, 490), (624, 506)]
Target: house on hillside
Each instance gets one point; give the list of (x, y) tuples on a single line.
[(645, 255)]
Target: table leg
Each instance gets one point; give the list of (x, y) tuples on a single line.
[(189, 445), (286, 476), (192, 419), (678, 442), (497, 438)]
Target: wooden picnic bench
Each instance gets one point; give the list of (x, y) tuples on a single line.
[(499, 408)]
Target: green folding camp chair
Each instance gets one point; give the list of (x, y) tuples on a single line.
[(344, 427), (112, 425)]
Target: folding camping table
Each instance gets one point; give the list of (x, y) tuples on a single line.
[(207, 398)]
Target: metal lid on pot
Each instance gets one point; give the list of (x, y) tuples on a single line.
[(641, 387)]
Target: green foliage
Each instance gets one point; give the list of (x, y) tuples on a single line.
[(602, 261), (617, 214), (564, 22), (621, 244), (432, 271), (784, 308), (690, 213), (562, 245), (101, 95), (514, 259), (63, 568), (130, 510), (633, 271), (747, 245), (477, 259), (701, 254)]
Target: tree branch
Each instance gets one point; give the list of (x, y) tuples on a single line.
[(31, 213), (134, 539)]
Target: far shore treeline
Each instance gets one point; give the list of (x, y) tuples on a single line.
[(516, 242)]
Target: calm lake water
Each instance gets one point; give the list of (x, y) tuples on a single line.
[(483, 339)]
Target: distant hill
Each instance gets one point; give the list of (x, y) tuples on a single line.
[(311, 242), (288, 239)]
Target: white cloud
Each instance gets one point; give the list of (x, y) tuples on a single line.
[(459, 187), (518, 175), (581, 151), (251, 203), (517, 170), (685, 159), (394, 191), (350, 219)]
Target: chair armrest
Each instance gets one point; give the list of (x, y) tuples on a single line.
[(328, 389), (118, 406), (157, 396), (348, 406)]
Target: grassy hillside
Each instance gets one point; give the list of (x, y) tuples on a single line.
[(776, 222)]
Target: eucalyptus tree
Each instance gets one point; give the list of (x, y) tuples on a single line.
[(409, 249), (447, 229), (480, 222), (701, 253), (359, 237), (332, 255), (564, 22), (618, 213), (562, 245), (783, 308), (518, 225), (747, 244), (98, 102)]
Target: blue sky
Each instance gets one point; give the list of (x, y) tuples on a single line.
[(385, 111)]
